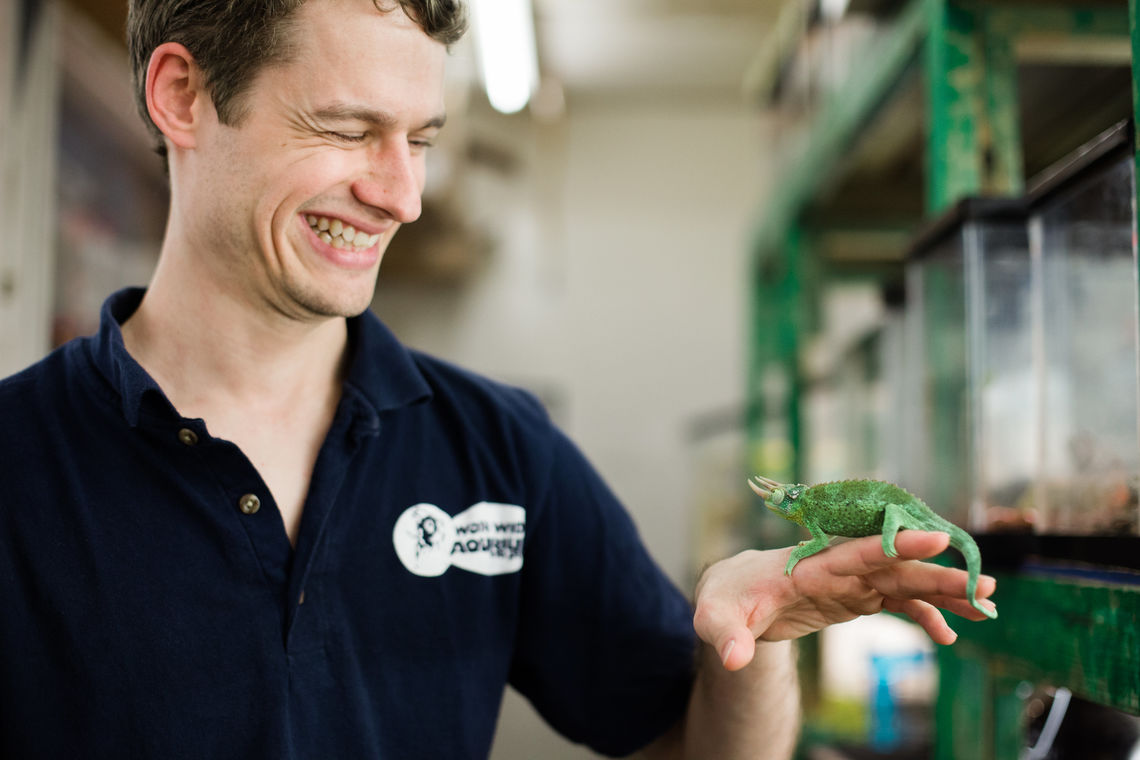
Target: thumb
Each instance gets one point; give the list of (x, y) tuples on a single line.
[(739, 650), (726, 634)]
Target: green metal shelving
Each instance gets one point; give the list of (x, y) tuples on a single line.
[(1082, 633)]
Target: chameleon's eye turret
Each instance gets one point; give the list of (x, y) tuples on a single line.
[(774, 494)]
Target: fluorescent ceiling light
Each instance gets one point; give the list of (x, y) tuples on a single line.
[(833, 10), (504, 37)]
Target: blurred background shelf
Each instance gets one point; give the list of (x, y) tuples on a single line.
[(944, 294)]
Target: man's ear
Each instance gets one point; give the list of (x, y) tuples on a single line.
[(176, 96)]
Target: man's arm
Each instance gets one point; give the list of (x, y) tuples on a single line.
[(735, 713), (745, 701), (731, 714)]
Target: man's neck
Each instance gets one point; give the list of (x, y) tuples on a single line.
[(209, 348)]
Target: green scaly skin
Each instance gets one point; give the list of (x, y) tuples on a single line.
[(855, 508)]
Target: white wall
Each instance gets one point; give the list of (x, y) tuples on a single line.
[(618, 279), (28, 113)]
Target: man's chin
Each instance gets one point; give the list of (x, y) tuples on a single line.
[(333, 306)]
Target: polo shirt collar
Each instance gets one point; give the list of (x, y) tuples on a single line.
[(381, 368), (126, 376), (381, 372)]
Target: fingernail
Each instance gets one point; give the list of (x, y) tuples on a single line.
[(727, 651)]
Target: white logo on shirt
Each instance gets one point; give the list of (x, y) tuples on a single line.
[(486, 538)]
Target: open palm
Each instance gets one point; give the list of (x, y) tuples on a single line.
[(748, 597)]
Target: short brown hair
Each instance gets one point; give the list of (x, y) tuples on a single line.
[(231, 40)]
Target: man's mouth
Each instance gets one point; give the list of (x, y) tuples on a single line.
[(340, 235)]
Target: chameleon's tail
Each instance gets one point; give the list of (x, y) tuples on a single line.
[(962, 541)]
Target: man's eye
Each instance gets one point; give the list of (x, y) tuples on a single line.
[(347, 136), (421, 142)]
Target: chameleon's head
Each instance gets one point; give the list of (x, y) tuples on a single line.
[(778, 497)]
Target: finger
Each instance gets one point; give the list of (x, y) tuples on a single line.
[(726, 632), (924, 579), (739, 651), (962, 607), (921, 544), (865, 555), (926, 615)]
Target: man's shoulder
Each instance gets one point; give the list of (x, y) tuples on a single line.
[(34, 381), (43, 405), (63, 386), (455, 385)]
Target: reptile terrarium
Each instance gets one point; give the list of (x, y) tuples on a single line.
[(1081, 234), (970, 359)]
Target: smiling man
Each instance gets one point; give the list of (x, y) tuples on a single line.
[(282, 203), (243, 521)]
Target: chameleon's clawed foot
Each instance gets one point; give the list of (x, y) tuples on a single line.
[(990, 613)]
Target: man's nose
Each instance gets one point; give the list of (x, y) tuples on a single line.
[(394, 183)]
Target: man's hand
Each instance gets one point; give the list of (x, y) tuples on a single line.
[(748, 597), (753, 711)]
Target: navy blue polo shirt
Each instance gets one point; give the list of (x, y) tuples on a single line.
[(453, 540)]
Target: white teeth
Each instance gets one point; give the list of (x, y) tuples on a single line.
[(340, 235)]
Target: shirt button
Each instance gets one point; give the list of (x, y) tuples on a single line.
[(188, 436), (249, 504)]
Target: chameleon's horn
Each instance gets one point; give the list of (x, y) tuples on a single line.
[(767, 482), (762, 489)]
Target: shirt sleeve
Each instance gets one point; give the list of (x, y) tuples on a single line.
[(605, 648)]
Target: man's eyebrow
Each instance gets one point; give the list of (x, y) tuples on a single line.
[(382, 119)]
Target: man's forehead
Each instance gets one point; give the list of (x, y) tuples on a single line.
[(352, 61), (390, 10), (339, 28)]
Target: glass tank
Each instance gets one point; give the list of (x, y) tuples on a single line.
[(1081, 233), (970, 358), (843, 414), (1005, 386)]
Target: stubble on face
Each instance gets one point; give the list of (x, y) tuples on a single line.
[(268, 169), (309, 300)]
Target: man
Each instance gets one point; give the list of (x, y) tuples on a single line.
[(243, 521)]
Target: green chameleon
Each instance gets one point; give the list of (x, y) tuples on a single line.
[(856, 508)]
